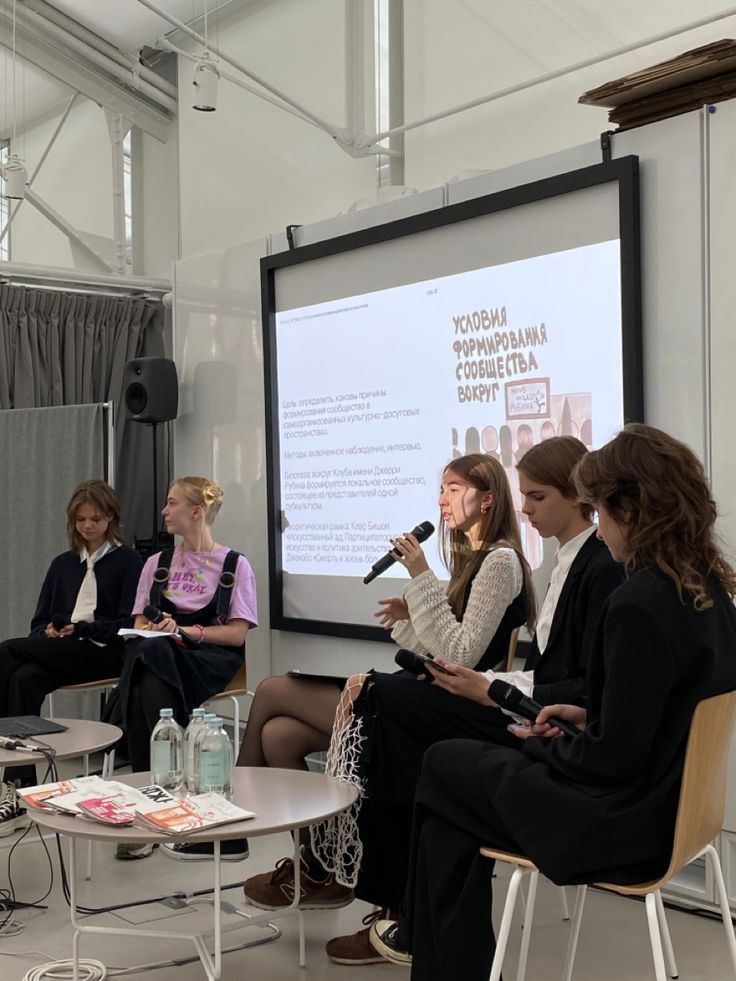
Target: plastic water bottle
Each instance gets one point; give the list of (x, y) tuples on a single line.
[(166, 752), (196, 725), (194, 783), (215, 760)]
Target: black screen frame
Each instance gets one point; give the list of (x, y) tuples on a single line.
[(624, 171)]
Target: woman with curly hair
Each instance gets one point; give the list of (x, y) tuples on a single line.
[(600, 805)]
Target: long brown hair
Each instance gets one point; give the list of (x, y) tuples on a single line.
[(105, 501), (498, 529), (552, 462), (656, 488)]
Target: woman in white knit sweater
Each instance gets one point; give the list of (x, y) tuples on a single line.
[(469, 623)]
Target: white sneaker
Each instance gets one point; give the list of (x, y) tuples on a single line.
[(12, 816)]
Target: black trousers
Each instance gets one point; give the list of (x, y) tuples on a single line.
[(31, 667), (446, 912), (402, 718)]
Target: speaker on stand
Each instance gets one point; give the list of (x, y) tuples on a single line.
[(151, 393)]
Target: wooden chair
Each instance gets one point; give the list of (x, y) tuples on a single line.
[(235, 689), (513, 641), (699, 819)]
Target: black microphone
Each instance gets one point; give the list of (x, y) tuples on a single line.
[(152, 614), (421, 533), (58, 622), (8, 743), (508, 697)]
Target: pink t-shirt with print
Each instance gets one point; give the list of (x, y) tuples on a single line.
[(193, 579)]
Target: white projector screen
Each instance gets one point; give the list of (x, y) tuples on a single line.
[(481, 327)]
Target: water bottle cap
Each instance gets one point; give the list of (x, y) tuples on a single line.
[(198, 713), (217, 721), (166, 713), (210, 715)]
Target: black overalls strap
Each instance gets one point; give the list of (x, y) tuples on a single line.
[(160, 577), (223, 594)]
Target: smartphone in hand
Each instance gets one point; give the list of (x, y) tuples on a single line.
[(430, 659)]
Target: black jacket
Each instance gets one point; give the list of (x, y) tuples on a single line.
[(602, 805), (560, 673), (117, 575)]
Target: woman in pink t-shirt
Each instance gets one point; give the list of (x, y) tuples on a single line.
[(202, 591)]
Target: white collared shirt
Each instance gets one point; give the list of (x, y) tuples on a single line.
[(566, 555), (86, 604)]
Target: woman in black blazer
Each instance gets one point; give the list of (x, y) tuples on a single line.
[(600, 805), (85, 599)]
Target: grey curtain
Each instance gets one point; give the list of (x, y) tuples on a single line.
[(64, 348), (44, 454)]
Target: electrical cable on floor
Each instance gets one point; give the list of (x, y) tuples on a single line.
[(10, 927), (89, 970), (93, 970)]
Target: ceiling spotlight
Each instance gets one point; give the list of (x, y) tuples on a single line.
[(16, 178), (206, 77)]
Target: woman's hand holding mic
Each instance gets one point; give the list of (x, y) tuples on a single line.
[(167, 624), (410, 554)]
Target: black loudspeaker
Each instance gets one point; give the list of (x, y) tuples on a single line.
[(151, 390)]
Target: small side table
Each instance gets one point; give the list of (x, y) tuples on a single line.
[(283, 800)]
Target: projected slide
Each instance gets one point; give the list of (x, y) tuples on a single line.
[(376, 392)]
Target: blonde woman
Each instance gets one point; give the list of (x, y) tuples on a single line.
[(206, 593)]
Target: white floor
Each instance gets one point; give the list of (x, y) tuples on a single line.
[(613, 944)]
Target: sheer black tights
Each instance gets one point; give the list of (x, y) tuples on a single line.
[(289, 719)]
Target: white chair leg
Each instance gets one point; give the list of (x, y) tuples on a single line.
[(654, 936), (526, 935), (572, 940), (664, 932), (108, 765), (522, 899), (563, 903), (715, 864), (503, 931), (236, 728)]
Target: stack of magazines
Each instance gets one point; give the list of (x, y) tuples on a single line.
[(116, 803)]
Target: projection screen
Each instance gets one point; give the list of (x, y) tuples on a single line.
[(484, 326)]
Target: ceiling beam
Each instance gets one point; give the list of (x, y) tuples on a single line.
[(91, 84)]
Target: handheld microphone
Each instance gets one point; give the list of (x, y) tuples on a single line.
[(421, 533), (58, 622), (152, 614), (409, 661), (508, 697)]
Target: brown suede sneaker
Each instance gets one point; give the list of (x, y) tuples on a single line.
[(356, 948), (275, 890)]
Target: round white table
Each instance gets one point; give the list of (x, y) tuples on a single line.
[(283, 800), (80, 739)]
